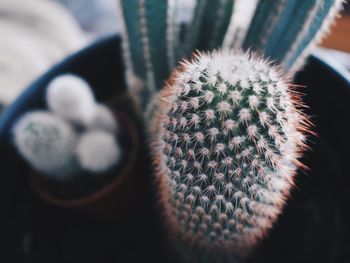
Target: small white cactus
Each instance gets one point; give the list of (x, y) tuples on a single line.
[(103, 119), (71, 97), (47, 142), (227, 138), (98, 151)]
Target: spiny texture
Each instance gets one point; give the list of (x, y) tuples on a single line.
[(47, 142), (149, 29), (209, 24), (286, 29), (227, 136)]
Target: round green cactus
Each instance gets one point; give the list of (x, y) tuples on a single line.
[(227, 138)]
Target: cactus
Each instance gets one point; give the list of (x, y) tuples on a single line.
[(98, 151), (77, 136), (319, 23), (150, 33), (239, 24), (210, 22), (47, 142), (71, 97), (285, 29), (227, 135), (103, 119)]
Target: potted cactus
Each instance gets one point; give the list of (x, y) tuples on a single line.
[(76, 147), (225, 133), (228, 129), (230, 132)]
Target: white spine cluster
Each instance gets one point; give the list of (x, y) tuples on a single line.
[(77, 135), (103, 119), (47, 142), (71, 97), (227, 139), (98, 151)]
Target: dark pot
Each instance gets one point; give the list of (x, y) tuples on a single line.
[(313, 228)]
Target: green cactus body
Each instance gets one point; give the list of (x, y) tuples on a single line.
[(239, 24), (314, 29), (210, 22), (284, 30), (149, 31), (266, 17), (226, 142)]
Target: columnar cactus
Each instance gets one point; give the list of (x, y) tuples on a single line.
[(239, 23), (285, 29), (47, 142), (150, 33), (227, 138), (209, 24)]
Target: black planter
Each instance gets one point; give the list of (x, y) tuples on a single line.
[(314, 227)]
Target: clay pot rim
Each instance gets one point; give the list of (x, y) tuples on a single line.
[(131, 129)]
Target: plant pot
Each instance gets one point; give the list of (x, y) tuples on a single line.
[(313, 228), (115, 197)]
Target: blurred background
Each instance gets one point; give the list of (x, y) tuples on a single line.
[(35, 34)]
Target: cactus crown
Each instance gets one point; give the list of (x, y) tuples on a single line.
[(227, 148)]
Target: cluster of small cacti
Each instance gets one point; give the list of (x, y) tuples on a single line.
[(227, 129), (229, 136), (75, 135)]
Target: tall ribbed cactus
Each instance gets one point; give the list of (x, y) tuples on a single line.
[(227, 136), (209, 24), (285, 29), (150, 30)]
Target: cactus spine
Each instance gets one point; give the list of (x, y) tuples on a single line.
[(227, 136)]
